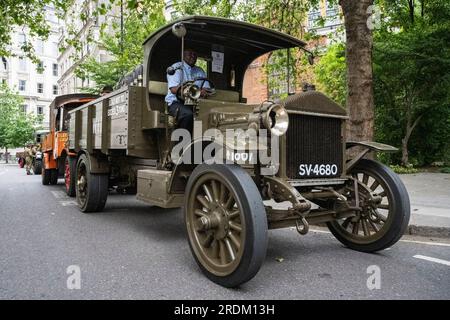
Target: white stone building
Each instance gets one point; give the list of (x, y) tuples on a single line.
[(38, 85), (86, 34)]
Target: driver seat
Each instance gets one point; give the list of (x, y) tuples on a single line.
[(158, 91)]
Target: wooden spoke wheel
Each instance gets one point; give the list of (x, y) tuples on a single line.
[(226, 223), (384, 208)]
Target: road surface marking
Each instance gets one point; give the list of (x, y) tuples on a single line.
[(68, 203), (319, 231), (402, 240), (444, 262), (59, 194), (429, 243)]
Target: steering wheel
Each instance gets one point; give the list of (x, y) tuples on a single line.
[(211, 88)]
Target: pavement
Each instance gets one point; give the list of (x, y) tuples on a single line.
[(135, 251), (429, 195)]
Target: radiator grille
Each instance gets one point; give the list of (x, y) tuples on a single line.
[(311, 141)]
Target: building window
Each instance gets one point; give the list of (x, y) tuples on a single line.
[(22, 64), (55, 89), (313, 19), (277, 77), (24, 108), (55, 69), (22, 85), (22, 39), (40, 110), (40, 67), (4, 63), (40, 88), (55, 49), (39, 47)]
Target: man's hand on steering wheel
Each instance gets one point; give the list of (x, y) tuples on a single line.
[(205, 92)]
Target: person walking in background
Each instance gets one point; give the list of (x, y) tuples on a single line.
[(28, 158)]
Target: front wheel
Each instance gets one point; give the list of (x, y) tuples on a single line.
[(37, 166), (226, 223), (384, 204)]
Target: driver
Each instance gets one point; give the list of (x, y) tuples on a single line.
[(177, 109)]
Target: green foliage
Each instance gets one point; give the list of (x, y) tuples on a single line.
[(16, 127), (403, 170), (330, 73), (445, 170), (412, 77), (28, 15), (141, 18)]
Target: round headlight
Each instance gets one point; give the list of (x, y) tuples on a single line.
[(276, 119)]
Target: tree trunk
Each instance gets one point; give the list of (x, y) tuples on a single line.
[(6, 155), (409, 129), (405, 156), (411, 10), (360, 104)]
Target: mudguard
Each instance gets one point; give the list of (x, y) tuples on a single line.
[(374, 146), (367, 146)]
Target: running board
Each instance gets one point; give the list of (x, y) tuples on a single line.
[(316, 182)]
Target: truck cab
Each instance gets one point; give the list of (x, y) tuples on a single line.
[(54, 143)]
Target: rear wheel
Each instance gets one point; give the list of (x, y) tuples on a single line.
[(54, 176), (45, 174), (91, 189), (385, 209), (226, 223), (69, 175)]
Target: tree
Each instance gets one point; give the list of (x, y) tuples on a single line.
[(16, 127), (360, 103), (412, 77), (28, 15), (330, 73), (141, 18)]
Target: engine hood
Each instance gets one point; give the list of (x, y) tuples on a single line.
[(313, 102)]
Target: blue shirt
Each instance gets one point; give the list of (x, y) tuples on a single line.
[(190, 73)]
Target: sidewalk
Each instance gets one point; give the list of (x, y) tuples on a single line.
[(429, 194)]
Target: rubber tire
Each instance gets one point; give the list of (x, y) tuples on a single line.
[(255, 248), (45, 174), (53, 176), (97, 188), (72, 162), (37, 168), (400, 212)]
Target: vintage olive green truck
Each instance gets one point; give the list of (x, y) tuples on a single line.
[(123, 140)]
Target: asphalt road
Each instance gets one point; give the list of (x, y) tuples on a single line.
[(135, 251)]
